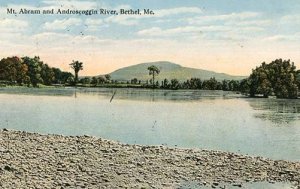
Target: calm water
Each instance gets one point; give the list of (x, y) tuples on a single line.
[(201, 119)]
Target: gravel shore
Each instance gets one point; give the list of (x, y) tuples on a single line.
[(30, 160)]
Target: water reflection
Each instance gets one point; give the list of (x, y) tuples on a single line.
[(159, 95), (38, 91), (190, 119), (124, 93), (278, 111)]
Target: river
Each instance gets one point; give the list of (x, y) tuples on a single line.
[(214, 120)]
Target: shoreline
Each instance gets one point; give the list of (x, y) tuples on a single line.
[(53, 161)]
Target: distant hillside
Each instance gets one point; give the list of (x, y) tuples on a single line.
[(168, 70)]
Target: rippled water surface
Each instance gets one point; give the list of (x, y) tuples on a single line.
[(198, 119)]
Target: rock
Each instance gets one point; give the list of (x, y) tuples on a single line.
[(237, 184), (8, 168), (3, 150), (53, 161)]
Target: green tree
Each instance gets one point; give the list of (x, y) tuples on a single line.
[(134, 81), (175, 84), (244, 86), (107, 77), (76, 66), (67, 77), (34, 69), (278, 77), (211, 84), (57, 75), (13, 69), (47, 74), (298, 78), (85, 80), (157, 84), (61, 77), (233, 85), (101, 80), (195, 83), (225, 85), (165, 83), (94, 81), (153, 70)]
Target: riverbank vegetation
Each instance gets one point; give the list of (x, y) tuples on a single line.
[(279, 78), (31, 72)]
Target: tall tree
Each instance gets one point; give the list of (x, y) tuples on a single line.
[(13, 69), (94, 81), (277, 78), (211, 84), (76, 66), (175, 84), (34, 69), (47, 74), (101, 80), (165, 83), (153, 70), (85, 80), (107, 77)]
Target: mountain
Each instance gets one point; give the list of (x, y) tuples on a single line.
[(168, 70)]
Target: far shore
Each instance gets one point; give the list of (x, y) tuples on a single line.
[(31, 160)]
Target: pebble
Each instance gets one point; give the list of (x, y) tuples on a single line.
[(55, 161)]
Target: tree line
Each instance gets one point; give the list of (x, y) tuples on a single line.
[(195, 83), (278, 78), (31, 72)]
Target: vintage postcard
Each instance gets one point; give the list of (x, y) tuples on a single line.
[(150, 94)]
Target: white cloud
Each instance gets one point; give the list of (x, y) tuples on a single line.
[(90, 21), (291, 18), (212, 32), (251, 23), (223, 17), (51, 39), (156, 31), (282, 38), (12, 25), (250, 29), (50, 36), (151, 32), (234, 26), (179, 10), (291, 21), (123, 20), (94, 24), (69, 41), (62, 24)]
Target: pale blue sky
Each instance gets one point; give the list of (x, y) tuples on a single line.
[(230, 36)]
